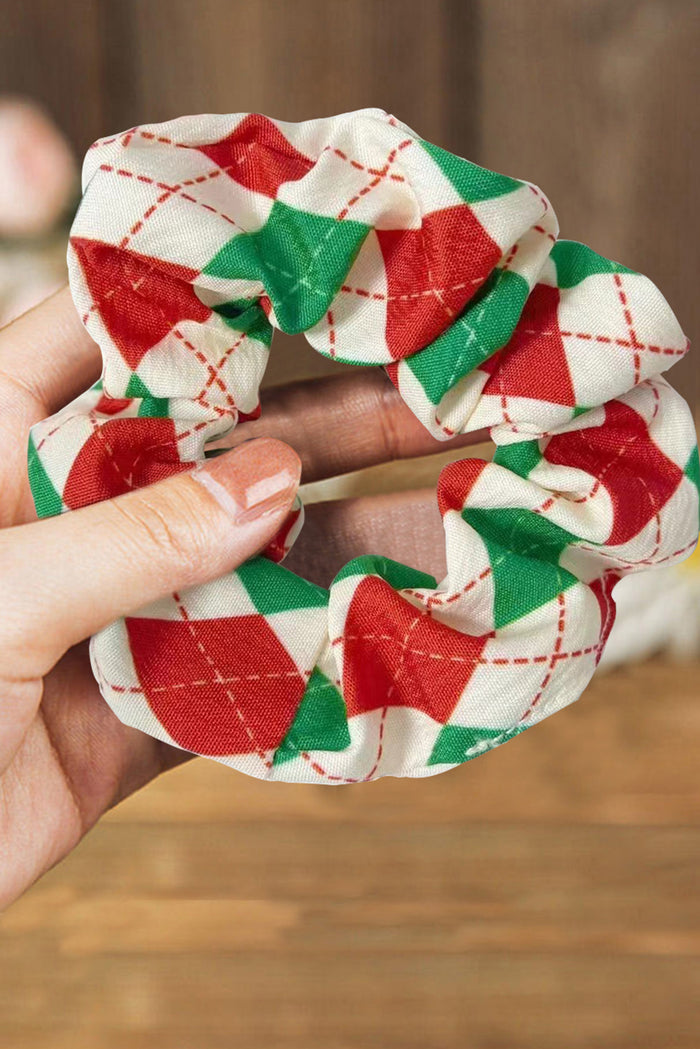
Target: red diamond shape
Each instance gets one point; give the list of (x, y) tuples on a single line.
[(219, 686), (112, 405), (120, 455), (399, 656), (639, 478), (432, 272), (258, 156), (140, 299), (456, 482), (534, 363)]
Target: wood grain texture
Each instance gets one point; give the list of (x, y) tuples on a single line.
[(594, 103), (52, 52)]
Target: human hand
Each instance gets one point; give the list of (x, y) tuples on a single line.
[(64, 757)]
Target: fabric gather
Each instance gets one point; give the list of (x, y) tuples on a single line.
[(194, 240)]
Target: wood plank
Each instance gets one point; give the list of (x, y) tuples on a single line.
[(308, 887), (391, 1001), (590, 101), (51, 52), (287, 60), (456, 862)]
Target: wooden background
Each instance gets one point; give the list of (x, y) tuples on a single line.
[(546, 896)]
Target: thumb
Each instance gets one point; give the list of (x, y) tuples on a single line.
[(67, 577)]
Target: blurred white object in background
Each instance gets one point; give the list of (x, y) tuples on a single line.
[(39, 180), (37, 170), (657, 612)]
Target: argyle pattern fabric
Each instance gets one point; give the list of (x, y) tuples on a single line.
[(198, 237)]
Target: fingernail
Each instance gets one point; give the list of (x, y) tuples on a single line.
[(256, 479)]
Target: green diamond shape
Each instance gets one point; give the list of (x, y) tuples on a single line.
[(483, 327), (454, 741), (524, 551), (47, 501), (320, 722), (574, 262), (471, 182), (300, 258), (273, 588), (521, 458), (692, 469), (151, 407), (397, 575)]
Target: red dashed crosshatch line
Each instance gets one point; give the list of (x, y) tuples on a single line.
[(231, 679), (168, 192), (438, 599), (540, 196), (664, 351), (376, 181), (54, 430), (561, 626), (331, 332), (509, 258), (361, 167), (218, 675), (546, 233), (137, 131), (636, 344), (379, 177), (484, 661), (319, 770), (448, 431), (379, 296), (215, 373), (622, 564)]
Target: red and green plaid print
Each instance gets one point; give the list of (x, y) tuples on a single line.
[(194, 241)]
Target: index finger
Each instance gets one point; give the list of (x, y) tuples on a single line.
[(47, 356), (343, 423)]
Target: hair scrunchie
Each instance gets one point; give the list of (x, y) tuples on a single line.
[(196, 238)]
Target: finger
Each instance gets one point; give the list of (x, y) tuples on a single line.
[(47, 356), (404, 526), (344, 423), (66, 577)]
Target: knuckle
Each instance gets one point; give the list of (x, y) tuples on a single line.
[(166, 530), (18, 636), (389, 432)]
